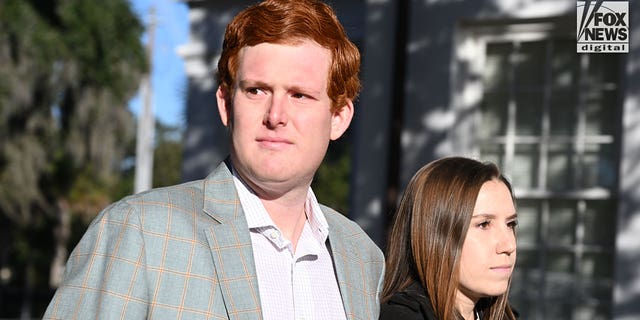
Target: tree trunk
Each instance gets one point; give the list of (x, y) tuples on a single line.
[(62, 233), (27, 290)]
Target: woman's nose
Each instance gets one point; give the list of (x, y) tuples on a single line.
[(506, 242)]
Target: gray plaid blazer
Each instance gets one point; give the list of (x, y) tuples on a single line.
[(184, 252)]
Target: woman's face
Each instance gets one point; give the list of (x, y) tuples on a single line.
[(489, 250)]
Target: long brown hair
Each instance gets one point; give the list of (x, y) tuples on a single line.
[(429, 229), (288, 22)]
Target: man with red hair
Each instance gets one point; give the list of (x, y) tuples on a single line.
[(250, 241)]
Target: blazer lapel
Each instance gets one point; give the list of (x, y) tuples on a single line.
[(358, 265), (230, 244), (339, 252)]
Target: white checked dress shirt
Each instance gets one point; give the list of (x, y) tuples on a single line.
[(298, 285)]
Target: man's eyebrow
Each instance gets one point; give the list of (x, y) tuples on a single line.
[(304, 89), (245, 83), (251, 83)]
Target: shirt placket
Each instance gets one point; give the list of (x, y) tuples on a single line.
[(300, 278)]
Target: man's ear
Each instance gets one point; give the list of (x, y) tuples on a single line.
[(224, 105), (340, 120)]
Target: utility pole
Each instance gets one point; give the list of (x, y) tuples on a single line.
[(146, 119)]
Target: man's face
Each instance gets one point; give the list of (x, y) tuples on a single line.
[(279, 115)]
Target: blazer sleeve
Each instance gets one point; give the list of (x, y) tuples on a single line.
[(105, 274)]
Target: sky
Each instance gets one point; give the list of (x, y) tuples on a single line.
[(168, 80)]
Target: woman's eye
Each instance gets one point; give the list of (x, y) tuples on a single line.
[(484, 224), (513, 224)]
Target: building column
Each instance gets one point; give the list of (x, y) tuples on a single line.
[(626, 293)]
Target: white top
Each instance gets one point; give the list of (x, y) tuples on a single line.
[(293, 285)]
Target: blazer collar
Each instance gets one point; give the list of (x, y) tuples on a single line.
[(230, 244), (220, 197)]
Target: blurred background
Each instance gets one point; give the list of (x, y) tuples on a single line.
[(102, 99)]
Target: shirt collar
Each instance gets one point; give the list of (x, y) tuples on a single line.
[(258, 217)]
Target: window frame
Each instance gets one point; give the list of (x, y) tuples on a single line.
[(471, 40)]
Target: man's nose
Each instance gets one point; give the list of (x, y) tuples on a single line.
[(276, 114)]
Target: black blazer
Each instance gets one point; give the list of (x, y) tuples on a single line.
[(412, 304), (409, 304)]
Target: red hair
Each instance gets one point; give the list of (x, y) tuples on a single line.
[(288, 22)]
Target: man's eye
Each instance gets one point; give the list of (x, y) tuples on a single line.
[(254, 91), (298, 96)]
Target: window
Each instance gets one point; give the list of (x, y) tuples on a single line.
[(549, 117)]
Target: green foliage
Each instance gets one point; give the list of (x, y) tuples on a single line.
[(69, 68), (101, 31), (167, 156), (67, 71), (331, 182)]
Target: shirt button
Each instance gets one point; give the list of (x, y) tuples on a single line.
[(273, 235)]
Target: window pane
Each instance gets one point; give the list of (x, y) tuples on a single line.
[(563, 112), (558, 311), (527, 275), (562, 220), (560, 174), (559, 273), (530, 61), (596, 266), (494, 115), (493, 153), (592, 312), (525, 168), (529, 307), (596, 271), (496, 69), (599, 223), (599, 167), (528, 112), (560, 264), (601, 112), (603, 69), (564, 65), (528, 219)]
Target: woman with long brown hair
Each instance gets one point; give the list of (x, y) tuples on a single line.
[(452, 246)]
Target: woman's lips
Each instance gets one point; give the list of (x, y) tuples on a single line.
[(502, 268)]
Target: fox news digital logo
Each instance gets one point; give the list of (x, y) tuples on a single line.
[(603, 26)]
